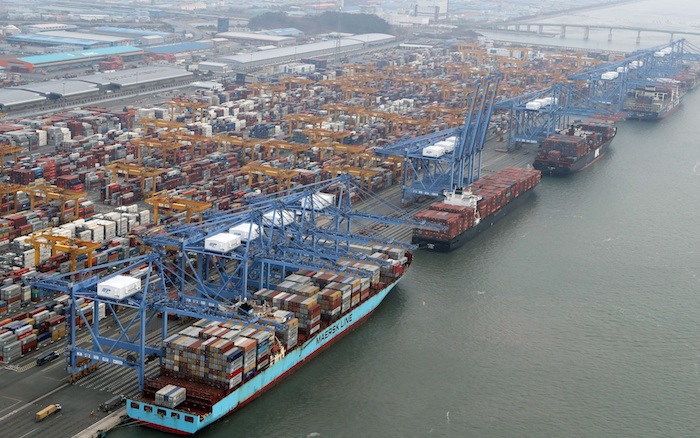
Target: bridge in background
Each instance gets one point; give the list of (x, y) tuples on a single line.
[(560, 29)]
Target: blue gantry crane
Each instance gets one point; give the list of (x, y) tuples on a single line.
[(310, 227), (609, 83), (450, 158), (536, 115), (598, 92)]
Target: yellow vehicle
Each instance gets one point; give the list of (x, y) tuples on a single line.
[(49, 410)]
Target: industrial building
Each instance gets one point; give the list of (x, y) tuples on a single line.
[(177, 48), (356, 43), (55, 61), (143, 77), (111, 40), (47, 27), (61, 88), (88, 86), (140, 36), (12, 99), (258, 38), (60, 38)]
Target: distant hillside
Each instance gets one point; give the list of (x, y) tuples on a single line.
[(323, 23)]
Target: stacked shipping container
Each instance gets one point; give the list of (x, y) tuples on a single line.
[(493, 191)]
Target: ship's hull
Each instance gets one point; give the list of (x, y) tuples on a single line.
[(178, 422), (485, 223), (655, 115), (552, 168)]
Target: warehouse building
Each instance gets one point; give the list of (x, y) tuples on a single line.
[(179, 48), (13, 99), (144, 77), (74, 39), (47, 27), (63, 88), (57, 61), (354, 44), (140, 37), (110, 40), (258, 38)]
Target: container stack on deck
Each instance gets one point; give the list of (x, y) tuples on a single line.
[(495, 192), (210, 359)]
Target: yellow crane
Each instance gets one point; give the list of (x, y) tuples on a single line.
[(155, 124), (46, 193), (10, 189), (168, 148), (164, 201), (7, 149), (295, 120), (130, 170), (297, 149), (319, 135), (67, 245), (283, 176), (196, 108), (351, 151), (364, 175)]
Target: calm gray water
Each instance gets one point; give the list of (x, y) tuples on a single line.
[(577, 316)]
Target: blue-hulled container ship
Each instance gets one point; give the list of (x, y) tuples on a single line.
[(211, 369)]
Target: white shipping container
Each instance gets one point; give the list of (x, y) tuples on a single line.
[(41, 137), (247, 231), (222, 242), (609, 76), (85, 235), (278, 218), (118, 287), (433, 151)]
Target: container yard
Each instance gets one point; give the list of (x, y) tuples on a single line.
[(108, 189)]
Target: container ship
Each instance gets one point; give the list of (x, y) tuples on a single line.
[(210, 369), (466, 212), (652, 102), (575, 148)]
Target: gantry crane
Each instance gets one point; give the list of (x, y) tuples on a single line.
[(284, 177), (196, 108), (10, 189), (275, 91), (67, 245), (179, 276), (302, 83), (226, 143), (130, 170), (364, 176), (609, 83), (188, 142), (45, 193), (430, 171), (168, 148), (295, 120), (319, 135), (155, 124), (7, 149), (351, 152), (296, 149), (164, 201)]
